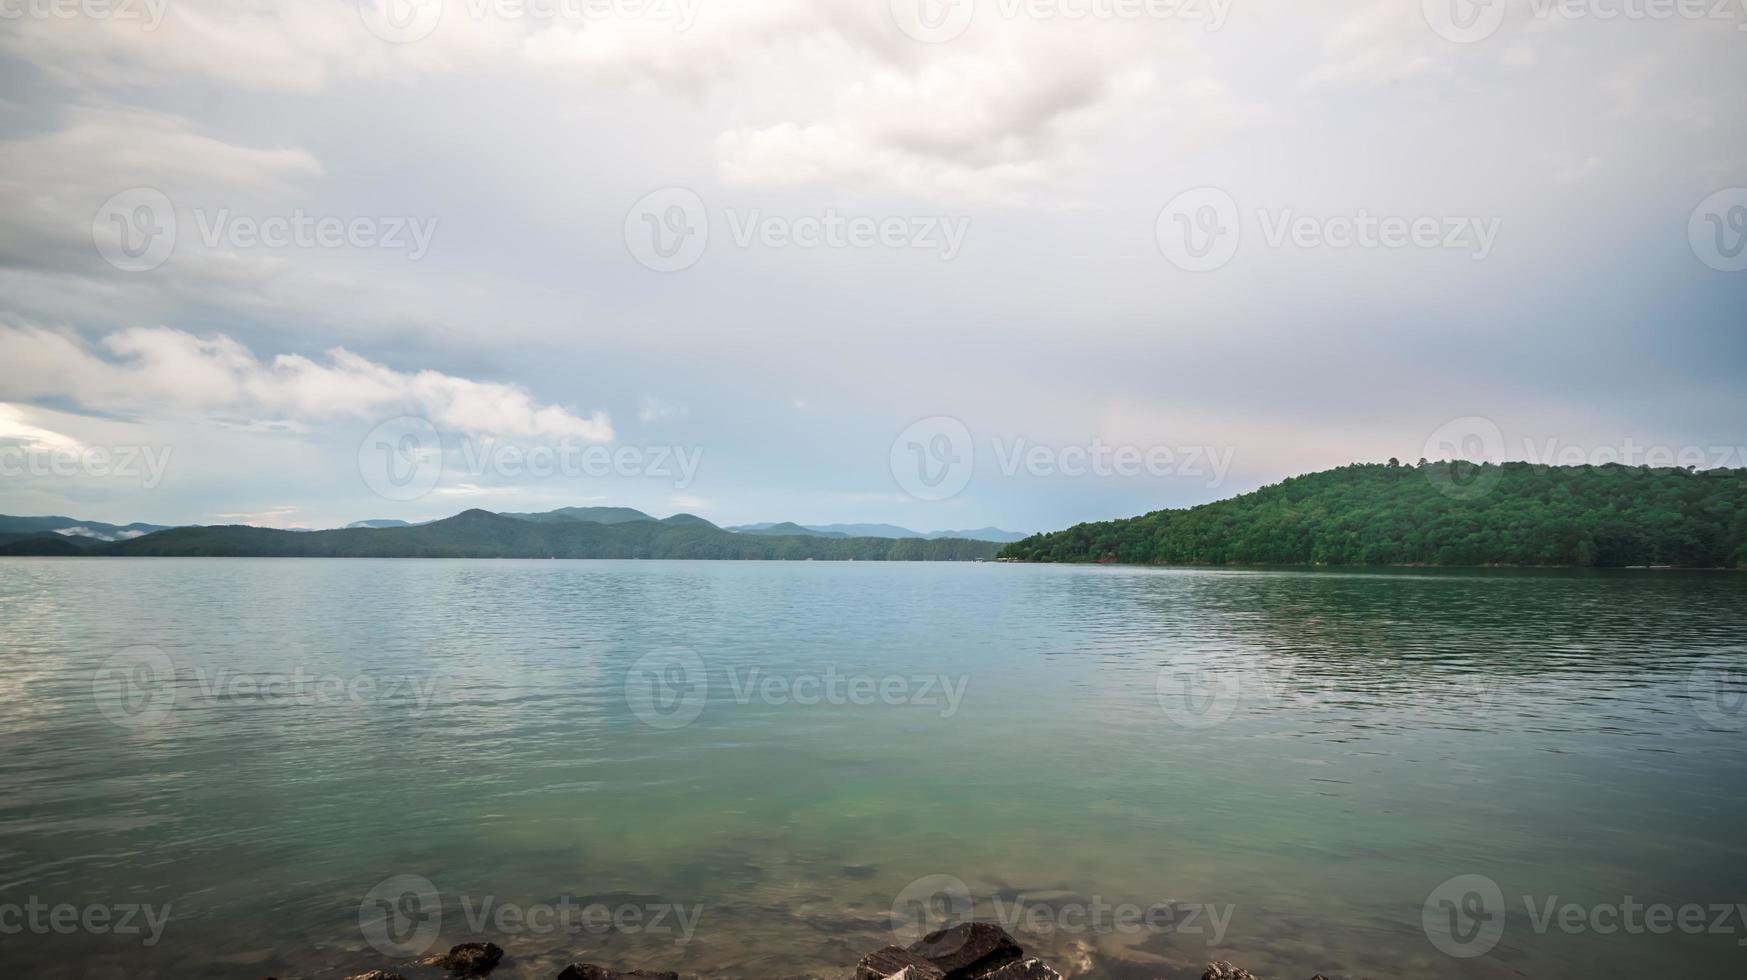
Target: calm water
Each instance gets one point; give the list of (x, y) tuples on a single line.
[(1288, 764)]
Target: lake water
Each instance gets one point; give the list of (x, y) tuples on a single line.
[(756, 770)]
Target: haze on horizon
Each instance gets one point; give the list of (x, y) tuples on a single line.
[(794, 247)]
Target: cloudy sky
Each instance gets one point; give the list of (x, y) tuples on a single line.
[(943, 263)]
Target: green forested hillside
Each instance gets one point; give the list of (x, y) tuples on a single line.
[(1437, 514), (480, 534)]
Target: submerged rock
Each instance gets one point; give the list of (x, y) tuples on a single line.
[(969, 950), (893, 961), (372, 975), (588, 971), (469, 959), (1221, 970)]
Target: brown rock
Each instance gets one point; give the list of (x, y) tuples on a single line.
[(469, 959), (588, 971), (1221, 970), (892, 961), (968, 950), (1032, 969)]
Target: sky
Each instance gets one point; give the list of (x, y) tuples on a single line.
[(938, 263)]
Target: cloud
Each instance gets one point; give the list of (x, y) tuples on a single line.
[(16, 429), (53, 181), (1001, 110), (158, 371)]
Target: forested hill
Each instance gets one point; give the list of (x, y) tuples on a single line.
[(1437, 514)]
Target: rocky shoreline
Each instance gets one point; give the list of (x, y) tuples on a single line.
[(970, 951)]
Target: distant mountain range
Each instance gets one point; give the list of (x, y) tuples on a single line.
[(572, 532), (13, 528), (877, 531)]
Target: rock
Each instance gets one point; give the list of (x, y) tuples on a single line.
[(893, 961), (1221, 970), (372, 975), (968, 950), (1032, 969), (469, 959), (588, 971)]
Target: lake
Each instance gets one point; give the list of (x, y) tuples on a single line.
[(303, 768)]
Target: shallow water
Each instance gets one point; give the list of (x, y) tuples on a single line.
[(1284, 767)]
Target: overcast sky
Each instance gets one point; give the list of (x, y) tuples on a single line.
[(943, 264)]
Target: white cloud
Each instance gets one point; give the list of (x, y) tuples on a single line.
[(16, 429), (162, 370)]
